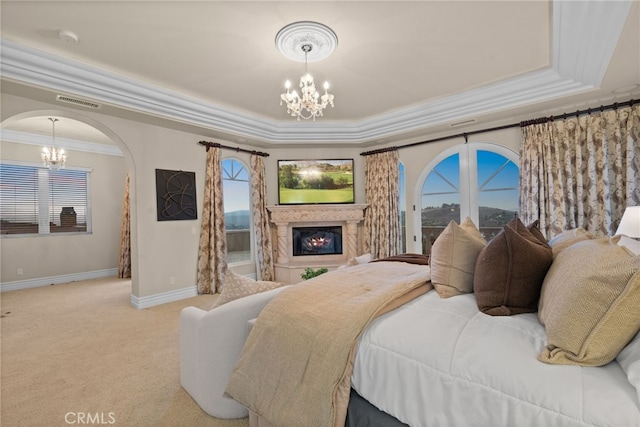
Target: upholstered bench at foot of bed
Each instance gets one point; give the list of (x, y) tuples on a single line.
[(210, 344)]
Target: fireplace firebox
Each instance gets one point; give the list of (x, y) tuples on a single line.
[(317, 240), (348, 218)]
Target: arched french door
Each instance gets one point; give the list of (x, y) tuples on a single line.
[(478, 180)]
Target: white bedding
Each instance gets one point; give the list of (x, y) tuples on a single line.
[(441, 362)]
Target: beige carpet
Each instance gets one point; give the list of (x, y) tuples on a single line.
[(81, 348)]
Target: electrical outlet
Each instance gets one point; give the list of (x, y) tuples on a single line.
[(172, 280), (19, 271)]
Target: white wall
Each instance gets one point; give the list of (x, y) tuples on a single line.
[(166, 249)]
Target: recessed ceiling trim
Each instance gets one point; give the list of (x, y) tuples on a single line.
[(8, 135), (584, 37), (40, 68), (582, 71)]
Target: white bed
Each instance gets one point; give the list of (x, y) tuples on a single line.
[(436, 361), (442, 362)]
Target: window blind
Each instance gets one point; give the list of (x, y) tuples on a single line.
[(67, 201), (35, 200), (18, 199)]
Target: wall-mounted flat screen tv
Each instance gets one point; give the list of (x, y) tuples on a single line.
[(315, 181)]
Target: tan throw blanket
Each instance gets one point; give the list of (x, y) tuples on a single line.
[(295, 368)]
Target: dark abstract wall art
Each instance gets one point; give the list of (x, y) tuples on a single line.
[(176, 195)]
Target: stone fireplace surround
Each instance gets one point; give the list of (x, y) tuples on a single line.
[(288, 267)]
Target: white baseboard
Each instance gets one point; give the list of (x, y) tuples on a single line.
[(170, 296), (54, 280), (164, 297)]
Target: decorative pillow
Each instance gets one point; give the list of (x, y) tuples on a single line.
[(632, 244), (510, 271), (362, 259), (453, 258), (409, 258), (589, 303), (567, 238), (629, 360), (237, 286), (534, 228)]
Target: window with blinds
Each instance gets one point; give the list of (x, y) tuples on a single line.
[(35, 200)]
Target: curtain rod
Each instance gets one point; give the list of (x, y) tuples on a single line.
[(465, 135), (236, 149)]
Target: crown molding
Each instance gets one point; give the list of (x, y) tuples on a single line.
[(7, 135), (584, 37)]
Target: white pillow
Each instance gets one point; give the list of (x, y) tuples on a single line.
[(629, 360), (567, 238), (632, 244), (362, 259)]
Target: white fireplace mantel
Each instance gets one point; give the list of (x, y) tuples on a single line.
[(285, 217)]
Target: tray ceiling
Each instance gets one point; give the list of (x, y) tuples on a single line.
[(400, 69)]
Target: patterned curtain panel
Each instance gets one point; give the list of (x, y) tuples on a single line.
[(124, 260), (581, 171), (264, 247), (382, 217), (212, 252)]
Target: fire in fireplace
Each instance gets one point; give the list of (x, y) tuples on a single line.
[(317, 240)]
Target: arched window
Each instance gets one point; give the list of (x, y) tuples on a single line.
[(478, 180), (237, 211)]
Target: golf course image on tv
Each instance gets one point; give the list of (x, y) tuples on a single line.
[(315, 181)]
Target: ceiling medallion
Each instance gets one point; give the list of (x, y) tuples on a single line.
[(306, 42), (292, 37)]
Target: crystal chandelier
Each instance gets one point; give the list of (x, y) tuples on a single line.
[(310, 105), (53, 158), (309, 42)]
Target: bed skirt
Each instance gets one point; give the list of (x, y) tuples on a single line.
[(360, 413)]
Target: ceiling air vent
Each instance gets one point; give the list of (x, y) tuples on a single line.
[(462, 123), (76, 101)]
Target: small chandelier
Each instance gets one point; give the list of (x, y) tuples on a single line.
[(310, 102), (53, 158), (309, 42)]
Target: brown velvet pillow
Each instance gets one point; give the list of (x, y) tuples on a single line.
[(510, 271), (410, 258), (534, 228)]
